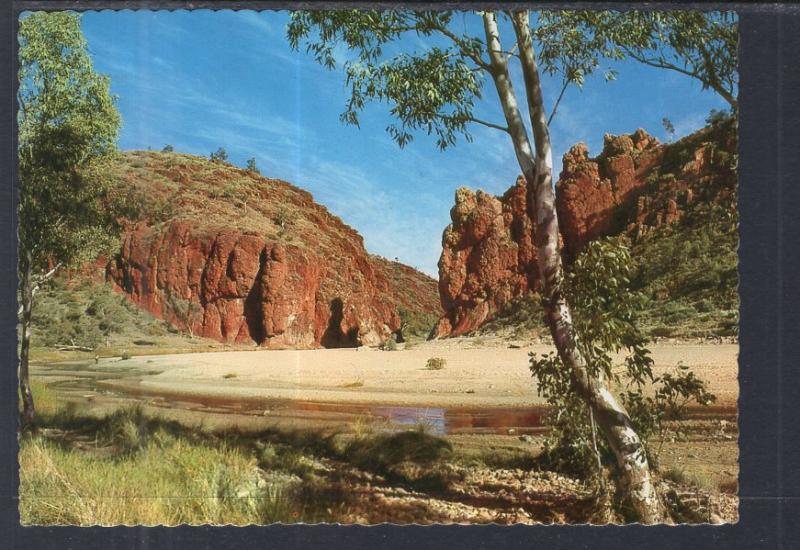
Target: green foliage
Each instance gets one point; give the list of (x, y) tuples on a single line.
[(523, 315), (168, 149), (605, 313), (668, 127), (68, 127), (283, 217), (701, 45), (251, 166), (390, 344), (687, 274), (716, 117), (86, 315), (220, 155), (185, 310), (432, 91), (416, 323)]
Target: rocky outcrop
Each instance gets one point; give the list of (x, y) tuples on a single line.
[(594, 196), (635, 185), (265, 265), (488, 258)]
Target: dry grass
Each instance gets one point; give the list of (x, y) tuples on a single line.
[(169, 484), (435, 363)]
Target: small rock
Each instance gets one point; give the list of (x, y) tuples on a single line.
[(526, 438)]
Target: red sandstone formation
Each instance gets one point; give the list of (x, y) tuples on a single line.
[(262, 263), (488, 258), (633, 186)]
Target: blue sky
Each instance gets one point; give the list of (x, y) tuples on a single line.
[(201, 79)]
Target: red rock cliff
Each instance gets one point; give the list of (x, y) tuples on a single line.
[(634, 185), (241, 258)]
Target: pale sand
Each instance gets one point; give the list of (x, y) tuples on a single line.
[(498, 375)]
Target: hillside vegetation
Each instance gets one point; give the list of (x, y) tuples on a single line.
[(686, 268)]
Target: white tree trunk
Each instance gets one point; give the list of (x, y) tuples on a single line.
[(28, 413), (537, 168)]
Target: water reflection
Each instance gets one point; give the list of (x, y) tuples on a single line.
[(87, 380)]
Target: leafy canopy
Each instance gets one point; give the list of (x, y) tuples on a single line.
[(697, 44), (435, 89), (68, 126)]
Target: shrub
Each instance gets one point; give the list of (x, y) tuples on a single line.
[(416, 323), (220, 155), (605, 320), (435, 363), (251, 166), (167, 149), (390, 344)]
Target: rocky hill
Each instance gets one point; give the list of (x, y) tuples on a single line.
[(237, 257), (677, 203)]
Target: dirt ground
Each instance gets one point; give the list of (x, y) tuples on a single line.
[(477, 373), (482, 379)]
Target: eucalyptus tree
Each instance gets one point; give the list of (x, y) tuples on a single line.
[(435, 91), (68, 125), (693, 43)]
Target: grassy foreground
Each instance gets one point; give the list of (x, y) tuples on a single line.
[(130, 467), (135, 469)]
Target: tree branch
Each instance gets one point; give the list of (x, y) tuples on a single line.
[(555, 106), (662, 64), (38, 282), (464, 50), (489, 124)]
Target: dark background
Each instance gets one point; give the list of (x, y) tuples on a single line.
[(769, 200)]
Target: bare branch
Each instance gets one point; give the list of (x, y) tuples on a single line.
[(555, 106), (489, 124)]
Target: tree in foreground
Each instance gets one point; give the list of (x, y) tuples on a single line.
[(435, 91), (68, 126)]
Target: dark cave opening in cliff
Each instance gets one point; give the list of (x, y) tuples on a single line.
[(252, 306), (334, 336)]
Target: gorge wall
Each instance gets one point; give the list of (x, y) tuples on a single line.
[(240, 258), (634, 185)]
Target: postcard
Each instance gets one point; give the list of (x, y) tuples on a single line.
[(363, 266)]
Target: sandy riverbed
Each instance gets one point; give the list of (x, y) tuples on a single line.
[(489, 374)]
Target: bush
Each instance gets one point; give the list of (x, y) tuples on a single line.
[(389, 345), (605, 319), (416, 323), (435, 363), (251, 166), (220, 155)]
